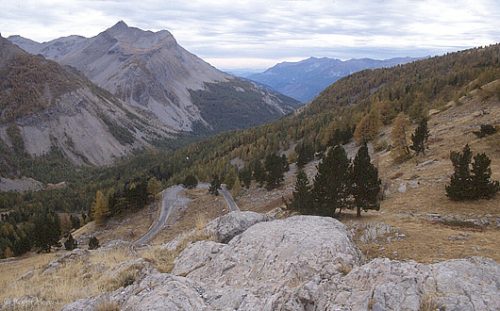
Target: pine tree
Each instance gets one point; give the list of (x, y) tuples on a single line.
[(331, 184), (70, 243), (259, 173), (190, 182), (284, 163), (93, 243), (365, 182), (460, 187), (245, 176), (302, 200), (100, 208), (367, 128), (420, 137), (482, 185), (305, 153), (400, 150), (274, 171), (215, 185)]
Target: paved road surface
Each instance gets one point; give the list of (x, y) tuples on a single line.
[(170, 198), (229, 199), (173, 198)]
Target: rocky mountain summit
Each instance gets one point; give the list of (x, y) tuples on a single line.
[(152, 71), (44, 105), (299, 263)]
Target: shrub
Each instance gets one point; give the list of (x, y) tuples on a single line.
[(485, 130), (70, 243), (93, 243), (190, 182)]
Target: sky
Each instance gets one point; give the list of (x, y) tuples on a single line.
[(257, 34)]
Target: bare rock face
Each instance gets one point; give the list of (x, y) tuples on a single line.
[(226, 227), (304, 263)]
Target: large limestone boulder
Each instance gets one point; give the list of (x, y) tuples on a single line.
[(270, 259), (303, 263), (155, 292), (226, 227)]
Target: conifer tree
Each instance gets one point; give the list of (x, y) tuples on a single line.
[(274, 171), (460, 187), (331, 184), (305, 153), (419, 138), (284, 163), (100, 209), (70, 243), (482, 185), (259, 173), (245, 176), (93, 243), (302, 200), (215, 185), (190, 182), (365, 182)]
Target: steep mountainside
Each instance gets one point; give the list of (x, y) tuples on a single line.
[(150, 70), (44, 107), (305, 79)]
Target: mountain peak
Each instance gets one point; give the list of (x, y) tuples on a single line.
[(120, 25)]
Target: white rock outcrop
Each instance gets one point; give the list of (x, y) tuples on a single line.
[(305, 263)]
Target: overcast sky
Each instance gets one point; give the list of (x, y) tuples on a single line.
[(232, 34)]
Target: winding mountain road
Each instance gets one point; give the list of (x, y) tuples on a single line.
[(173, 198)]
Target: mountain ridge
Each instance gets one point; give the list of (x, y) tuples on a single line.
[(305, 79), (151, 70)]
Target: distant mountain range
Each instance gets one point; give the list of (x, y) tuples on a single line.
[(305, 79), (125, 88)]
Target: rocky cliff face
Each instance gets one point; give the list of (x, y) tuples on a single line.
[(44, 105), (152, 71), (303, 263)]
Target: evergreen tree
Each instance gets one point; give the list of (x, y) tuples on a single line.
[(245, 176), (93, 243), (275, 171), (305, 153), (259, 173), (215, 185), (284, 163), (70, 243), (302, 200), (190, 182), (75, 221), (482, 185), (420, 137), (365, 182), (100, 208), (460, 187), (331, 184)]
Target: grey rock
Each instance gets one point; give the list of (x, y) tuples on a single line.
[(74, 255), (304, 263), (226, 227)]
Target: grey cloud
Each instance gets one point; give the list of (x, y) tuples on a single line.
[(223, 30)]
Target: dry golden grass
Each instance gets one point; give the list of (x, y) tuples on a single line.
[(428, 241), (107, 306), (163, 259), (72, 281), (201, 209)]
